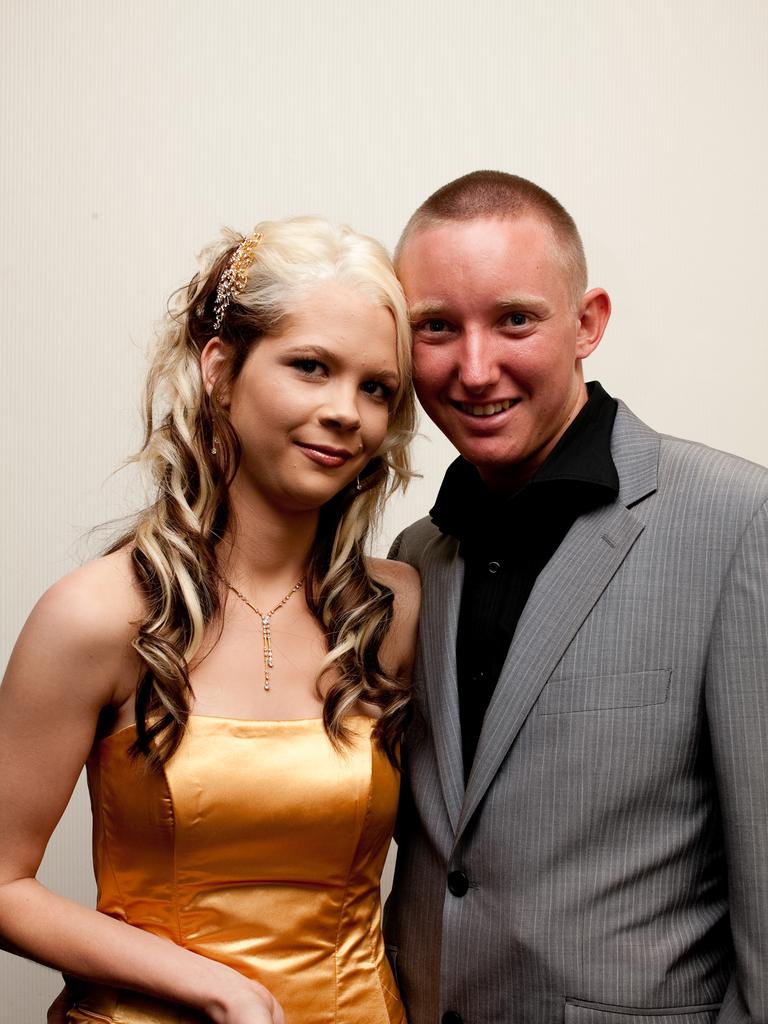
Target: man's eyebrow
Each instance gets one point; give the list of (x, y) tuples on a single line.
[(437, 308), (430, 307), (521, 301)]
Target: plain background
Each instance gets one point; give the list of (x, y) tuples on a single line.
[(131, 132)]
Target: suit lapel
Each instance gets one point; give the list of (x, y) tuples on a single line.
[(440, 602), (565, 592)]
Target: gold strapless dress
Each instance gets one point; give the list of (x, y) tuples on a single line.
[(258, 846)]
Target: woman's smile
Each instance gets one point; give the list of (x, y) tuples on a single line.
[(325, 455)]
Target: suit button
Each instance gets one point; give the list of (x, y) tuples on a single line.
[(451, 1017), (458, 883)]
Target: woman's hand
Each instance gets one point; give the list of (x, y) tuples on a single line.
[(250, 1004), (253, 1005)]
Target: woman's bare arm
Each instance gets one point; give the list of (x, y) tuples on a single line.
[(72, 660)]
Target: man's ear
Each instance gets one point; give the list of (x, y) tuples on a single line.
[(212, 361), (593, 313)]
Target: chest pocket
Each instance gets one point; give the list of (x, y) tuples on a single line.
[(599, 693)]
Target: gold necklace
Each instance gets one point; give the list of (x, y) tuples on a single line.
[(266, 617)]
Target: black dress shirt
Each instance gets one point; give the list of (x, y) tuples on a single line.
[(506, 540)]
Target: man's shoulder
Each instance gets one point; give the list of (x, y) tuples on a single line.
[(411, 544), (718, 476), (688, 466), (684, 451)]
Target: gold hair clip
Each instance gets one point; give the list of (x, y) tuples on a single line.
[(235, 277)]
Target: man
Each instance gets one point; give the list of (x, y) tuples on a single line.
[(585, 830)]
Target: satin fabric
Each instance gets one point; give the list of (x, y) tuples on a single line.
[(260, 846)]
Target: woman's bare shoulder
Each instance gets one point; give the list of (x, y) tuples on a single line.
[(72, 661), (100, 601), (82, 628), (405, 584), (402, 578)]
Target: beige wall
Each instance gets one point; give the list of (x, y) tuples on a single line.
[(132, 131)]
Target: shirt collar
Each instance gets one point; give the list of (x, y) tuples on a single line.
[(580, 467)]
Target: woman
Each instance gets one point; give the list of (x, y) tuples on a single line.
[(235, 671)]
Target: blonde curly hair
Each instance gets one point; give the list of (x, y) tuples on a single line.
[(173, 541)]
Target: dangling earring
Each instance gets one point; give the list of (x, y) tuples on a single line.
[(214, 450), (358, 485)]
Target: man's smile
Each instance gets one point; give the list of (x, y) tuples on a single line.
[(484, 409)]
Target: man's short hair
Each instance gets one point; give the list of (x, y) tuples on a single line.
[(495, 194)]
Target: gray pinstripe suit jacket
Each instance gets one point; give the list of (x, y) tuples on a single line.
[(614, 828)]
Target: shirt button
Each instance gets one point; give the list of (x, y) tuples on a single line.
[(493, 567), (451, 1017), (458, 883)]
